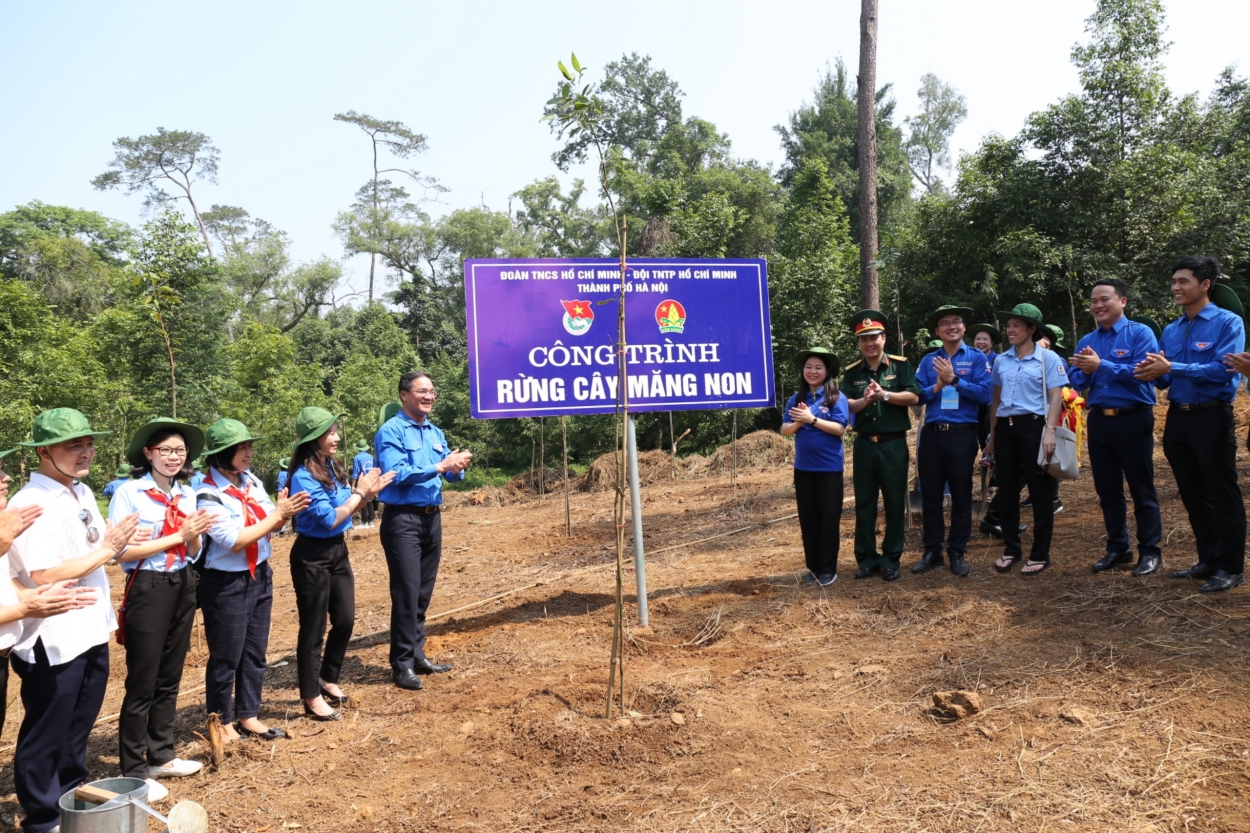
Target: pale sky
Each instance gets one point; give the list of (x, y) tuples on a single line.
[(264, 80)]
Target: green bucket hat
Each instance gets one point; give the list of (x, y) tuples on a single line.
[(362, 445), (284, 463), (933, 345), (1149, 322), (993, 332), (1222, 296), (226, 433), (1028, 314), (122, 471), (941, 312), (4, 454), (388, 410), (831, 361), (313, 422), (193, 435), (60, 425), (1056, 335)]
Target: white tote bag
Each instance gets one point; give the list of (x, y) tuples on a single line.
[(1061, 465)]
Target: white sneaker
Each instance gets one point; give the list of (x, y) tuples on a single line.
[(156, 791), (177, 768)]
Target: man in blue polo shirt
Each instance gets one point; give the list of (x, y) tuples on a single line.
[(412, 531), (954, 383), (1121, 426), (1198, 439)]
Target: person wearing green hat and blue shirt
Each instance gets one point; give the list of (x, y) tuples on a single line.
[(880, 388), (954, 383), (1121, 426), (63, 661), (320, 570), (236, 581), (120, 477), (197, 473), (283, 478), (1026, 407), (361, 463), (816, 416), (1199, 437), (413, 447), (159, 598)]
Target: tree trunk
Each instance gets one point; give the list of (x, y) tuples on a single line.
[(867, 99), (200, 222)]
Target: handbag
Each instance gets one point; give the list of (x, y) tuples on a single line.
[(1063, 464), (120, 635)]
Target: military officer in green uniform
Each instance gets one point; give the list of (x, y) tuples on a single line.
[(879, 389)]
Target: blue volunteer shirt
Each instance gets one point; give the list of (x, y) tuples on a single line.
[(361, 463), (228, 521), (283, 477), (197, 477), (1024, 382), (1196, 347), (961, 403), (113, 485), (412, 449), (132, 496), (317, 521), (814, 449), (1119, 347)]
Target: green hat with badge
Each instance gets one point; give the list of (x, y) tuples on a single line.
[(1149, 322), (388, 410), (226, 433), (1027, 313), (831, 361), (60, 425), (867, 322), (312, 422), (989, 329), (194, 438), (362, 445), (941, 312), (1223, 296)]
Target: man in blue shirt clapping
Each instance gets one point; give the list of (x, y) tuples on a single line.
[(1121, 426)]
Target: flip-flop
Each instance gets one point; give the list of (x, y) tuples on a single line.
[(1044, 566), (1006, 569)]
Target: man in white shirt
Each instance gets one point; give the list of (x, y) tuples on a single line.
[(63, 661)]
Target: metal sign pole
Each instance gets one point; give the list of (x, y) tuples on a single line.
[(635, 509)]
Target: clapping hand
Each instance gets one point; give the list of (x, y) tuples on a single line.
[(13, 522), (874, 392), (1086, 360), (1154, 366), (802, 414), (58, 597), (372, 482), (457, 461), (291, 505), (1237, 362), (945, 370), (125, 533), (196, 524)]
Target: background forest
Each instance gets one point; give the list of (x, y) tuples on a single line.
[(202, 311)]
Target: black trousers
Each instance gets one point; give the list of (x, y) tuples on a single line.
[(819, 497), (1017, 441), (413, 543), (4, 689), (237, 611), (1122, 448), (160, 609), (324, 587), (368, 511), (1201, 447), (62, 703), (947, 457)]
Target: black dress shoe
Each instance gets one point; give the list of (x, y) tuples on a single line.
[(273, 733), (1223, 580), (927, 562), (889, 574), (1112, 560), (959, 565), (1148, 564), (407, 679), (866, 572), (1199, 570), (424, 666), (334, 715)]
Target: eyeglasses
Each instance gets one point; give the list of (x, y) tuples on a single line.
[(169, 451), (953, 322), (425, 393), (93, 534)]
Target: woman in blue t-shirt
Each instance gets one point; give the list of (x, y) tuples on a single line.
[(320, 571), (816, 417)]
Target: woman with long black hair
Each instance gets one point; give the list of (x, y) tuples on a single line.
[(816, 417)]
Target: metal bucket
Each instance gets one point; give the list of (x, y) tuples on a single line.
[(81, 817)]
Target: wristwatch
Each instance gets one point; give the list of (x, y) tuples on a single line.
[(886, 397)]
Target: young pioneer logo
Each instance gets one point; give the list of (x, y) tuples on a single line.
[(671, 316), (578, 316)]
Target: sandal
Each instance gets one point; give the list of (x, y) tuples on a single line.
[(1040, 566), (1006, 567)]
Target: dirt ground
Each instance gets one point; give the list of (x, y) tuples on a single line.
[(758, 703)]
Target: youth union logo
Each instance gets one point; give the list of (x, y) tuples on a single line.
[(578, 316), (671, 316)]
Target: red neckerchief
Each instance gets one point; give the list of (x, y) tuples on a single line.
[(252, 512), (173, 524)]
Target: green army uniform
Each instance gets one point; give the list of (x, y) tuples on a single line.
[(881, 459)]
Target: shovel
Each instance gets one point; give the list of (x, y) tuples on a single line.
[(185, 817)]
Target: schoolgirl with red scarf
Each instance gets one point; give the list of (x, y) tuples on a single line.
[(236, 582), (158, 602)]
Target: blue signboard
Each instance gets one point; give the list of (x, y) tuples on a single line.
[(542, 343)]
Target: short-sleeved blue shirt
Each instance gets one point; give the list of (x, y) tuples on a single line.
[(361, 463), (814, 449), (317, 521), (132, 496), (1026, 381), (229, 520), (113, 485)]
